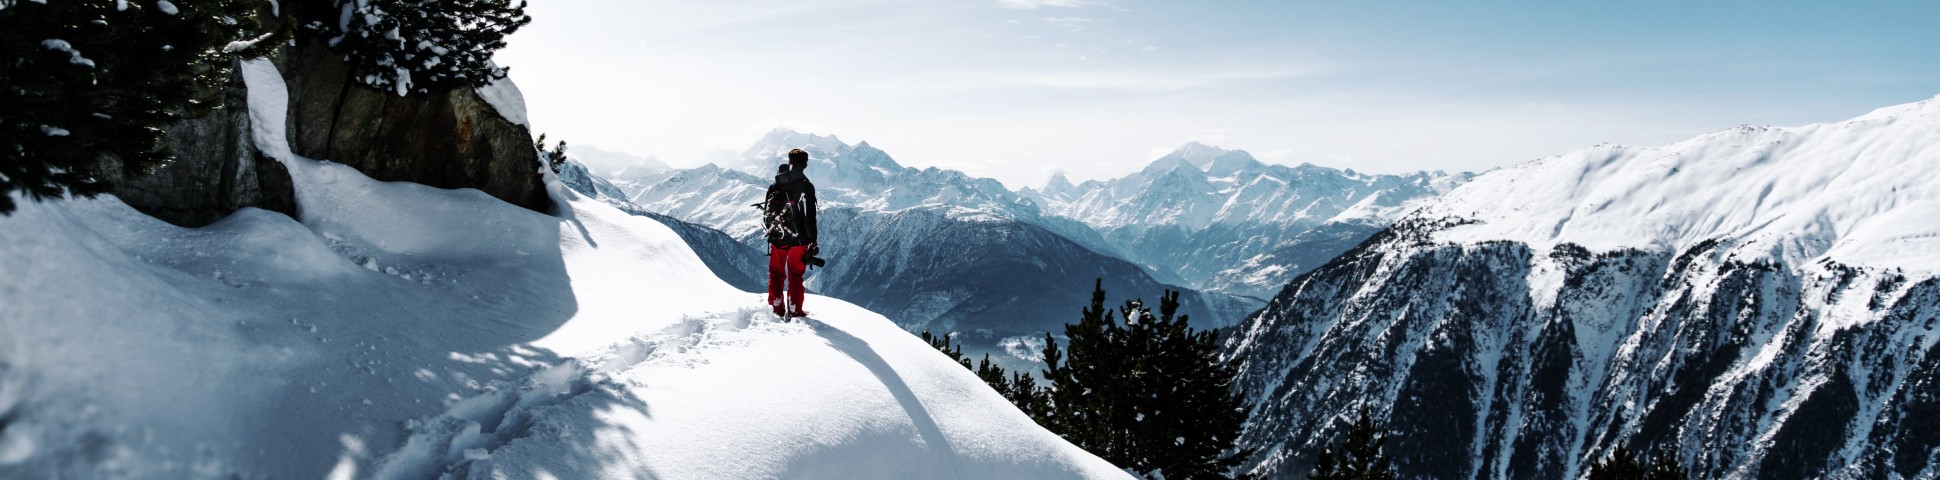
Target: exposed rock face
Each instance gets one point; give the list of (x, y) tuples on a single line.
[(447, 140), (1495, 360), (217, 170)]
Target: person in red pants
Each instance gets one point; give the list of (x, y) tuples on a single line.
[(790, 222)]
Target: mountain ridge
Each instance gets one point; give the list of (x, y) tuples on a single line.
[(1689, 321)]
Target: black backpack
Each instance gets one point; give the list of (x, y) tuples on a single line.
[(782, 216)]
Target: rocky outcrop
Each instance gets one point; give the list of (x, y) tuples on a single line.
[(452, 139), (217, 170)]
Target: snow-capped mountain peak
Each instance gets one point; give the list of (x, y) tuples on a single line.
[(761, 157), (1194, 155), (1058, 185)]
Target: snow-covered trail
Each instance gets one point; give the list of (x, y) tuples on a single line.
[(364, 340)]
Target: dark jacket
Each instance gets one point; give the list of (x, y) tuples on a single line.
[(793, 184)]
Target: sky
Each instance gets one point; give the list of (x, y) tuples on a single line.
[(1017, 89)]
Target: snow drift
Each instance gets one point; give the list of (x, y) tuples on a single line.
[(403, 331)]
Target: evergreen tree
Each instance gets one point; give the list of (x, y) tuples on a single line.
[(1361, 455), (91, 84), (556, 157), (417, 46), (1623, 464), (1151, 394)]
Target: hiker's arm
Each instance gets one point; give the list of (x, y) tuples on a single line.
[(810, 197)]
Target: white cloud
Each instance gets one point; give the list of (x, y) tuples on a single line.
[(1131, 80), (1036, 4), (1069, 24)]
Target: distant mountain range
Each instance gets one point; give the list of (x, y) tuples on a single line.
[(1222, 220)]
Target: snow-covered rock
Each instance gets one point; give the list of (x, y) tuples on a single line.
[(1759, 303), (402, 331)]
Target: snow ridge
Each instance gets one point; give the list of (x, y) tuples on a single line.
[(1856, 191)]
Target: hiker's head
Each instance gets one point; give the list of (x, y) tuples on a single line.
[(797, 159)]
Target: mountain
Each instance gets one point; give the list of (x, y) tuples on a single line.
[(396, 330), (615, 166), (934, 248), (994, 282), (1758, 303), (1202, 212), (1263, 275)]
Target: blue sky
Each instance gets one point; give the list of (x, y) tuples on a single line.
[(1014, 89)]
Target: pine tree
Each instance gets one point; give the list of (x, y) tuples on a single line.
[(556, 157), (417, 46), (1151, 395), (91, 84), (1623, 464), (1360, 456)]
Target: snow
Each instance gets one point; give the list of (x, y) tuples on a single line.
[(504, 96), (166, 7), (73, 56), (483, 340), (1857, 191)]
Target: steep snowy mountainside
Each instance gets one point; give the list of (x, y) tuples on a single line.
[(1758, 303), (1858, 188), (402, 331), (1201, 211)]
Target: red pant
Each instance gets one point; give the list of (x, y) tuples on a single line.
[(785, 263)]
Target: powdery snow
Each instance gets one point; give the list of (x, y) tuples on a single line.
[(505, 97), (402, 331), (1859, 191)]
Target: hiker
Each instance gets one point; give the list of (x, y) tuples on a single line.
[(790, 221)]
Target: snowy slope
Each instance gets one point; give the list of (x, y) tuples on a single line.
[(1759, 303), (1203, 212), (400, 331), (1860, 190)]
